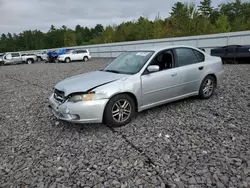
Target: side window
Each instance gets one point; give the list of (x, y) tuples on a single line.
[(200, 56), (15, 54), (74, 52), (82, 51), (185, 56), (165, 60)]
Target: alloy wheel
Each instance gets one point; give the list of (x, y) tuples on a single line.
[(208, 87), (121, 110)]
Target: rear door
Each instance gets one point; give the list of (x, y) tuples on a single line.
[(82, 53), (192, 67)]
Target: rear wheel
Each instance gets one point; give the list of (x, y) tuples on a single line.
[(67, 60), (30, 61), (207, 87), (85, 58), (119, 110)]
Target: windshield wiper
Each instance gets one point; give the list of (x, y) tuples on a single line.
[(114, 71)]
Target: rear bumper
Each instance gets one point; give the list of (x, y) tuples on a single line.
[(80, 112)]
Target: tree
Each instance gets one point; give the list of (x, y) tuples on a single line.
[(109, 34), (205, 8), (184, 20), (222, 24), (97, 30), (143, 29), (177, 9), (160, 29), (69, 38), (79, 34)]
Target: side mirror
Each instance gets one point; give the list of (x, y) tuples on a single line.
[(153, 68)]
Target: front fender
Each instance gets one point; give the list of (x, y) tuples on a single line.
[(127, 85)]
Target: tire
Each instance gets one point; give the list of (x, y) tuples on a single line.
[(112, 106), (85, 58), (30, 61), (67, 60), (207, 87)]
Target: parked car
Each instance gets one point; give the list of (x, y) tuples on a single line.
[(75, 55), (232, 53), (17, 58), (135, 81), (29, 58), (52, 56), (41, 55)]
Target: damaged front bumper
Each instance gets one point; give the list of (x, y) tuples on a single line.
[(80, 112)]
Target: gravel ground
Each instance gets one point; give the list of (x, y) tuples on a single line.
[(189, 143)]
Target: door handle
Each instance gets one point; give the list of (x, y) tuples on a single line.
[(200, 68), (173, 74)]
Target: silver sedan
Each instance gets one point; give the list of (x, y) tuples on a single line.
[(135, 81)]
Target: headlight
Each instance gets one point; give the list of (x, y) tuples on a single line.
[(82, 97)]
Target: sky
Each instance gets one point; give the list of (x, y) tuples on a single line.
[(19, 15)]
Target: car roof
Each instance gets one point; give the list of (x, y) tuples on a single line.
[(159, 48)]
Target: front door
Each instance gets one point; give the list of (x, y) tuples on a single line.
[(159, 87), (74, 55), (162, 86)]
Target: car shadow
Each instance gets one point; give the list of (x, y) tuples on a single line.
[(80, 128), (100, 127)]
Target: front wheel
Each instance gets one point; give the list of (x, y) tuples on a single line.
[(67, 60), (207, 87), (119, 110)]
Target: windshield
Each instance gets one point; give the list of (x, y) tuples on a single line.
[(129, 62)]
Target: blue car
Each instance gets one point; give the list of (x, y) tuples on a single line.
[(52, 55)]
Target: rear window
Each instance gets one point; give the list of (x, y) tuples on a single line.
[(15, 54), (200, 56), (185, 56), (82, 51)]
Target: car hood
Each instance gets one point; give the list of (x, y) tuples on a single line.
[(87, 81)]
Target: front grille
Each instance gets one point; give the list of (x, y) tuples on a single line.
[(59, 95)]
